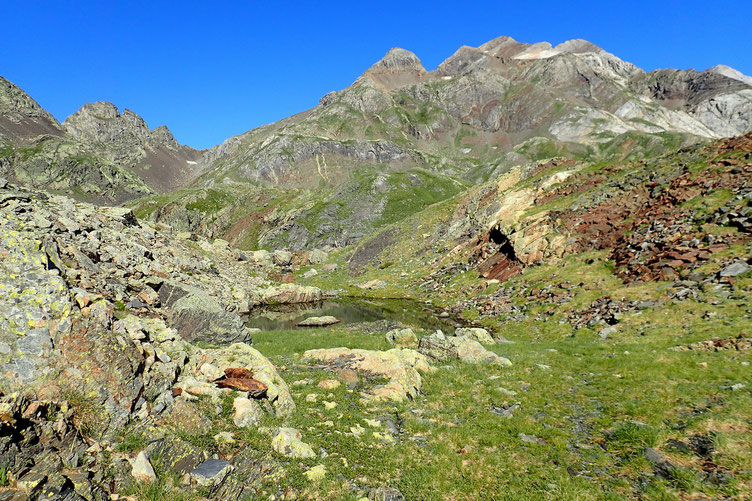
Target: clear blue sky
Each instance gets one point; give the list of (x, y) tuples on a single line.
[(212, 69)]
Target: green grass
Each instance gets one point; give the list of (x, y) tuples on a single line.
[(132, 441)]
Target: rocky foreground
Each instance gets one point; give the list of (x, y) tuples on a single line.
[(111, 328)]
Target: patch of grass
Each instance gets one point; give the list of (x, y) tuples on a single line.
[(132, 442), (633, 437), (87, 413), (4, 477)]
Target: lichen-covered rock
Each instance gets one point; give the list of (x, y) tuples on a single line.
[(241, 355), (480, 335), (34, 306), (400, 366), (402, 338), (200, 317), (288, 293), (288, 442), (101, 367), (248, 413), (441, 348), (282, 257), (142, 469)]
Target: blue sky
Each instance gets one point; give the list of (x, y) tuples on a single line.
[(210, 70)]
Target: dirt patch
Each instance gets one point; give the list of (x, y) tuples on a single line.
[(370, 250)]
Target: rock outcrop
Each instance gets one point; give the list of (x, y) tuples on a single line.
[(401, 366), (126, 140)]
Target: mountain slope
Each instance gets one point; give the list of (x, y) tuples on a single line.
[(125, 139), (481, 112), (97, 154), (480, 105)]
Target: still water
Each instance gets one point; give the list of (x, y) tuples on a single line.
[(350, 311)]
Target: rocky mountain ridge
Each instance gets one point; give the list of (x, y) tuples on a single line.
[(339, 170), (96, 154), (490, 101)]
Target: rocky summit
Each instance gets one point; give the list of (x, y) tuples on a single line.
[(524, 274)]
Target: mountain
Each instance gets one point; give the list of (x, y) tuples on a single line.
[(332, 174), (96, 154), (474, 279), (126, 140), (490, 106), (22, 118)]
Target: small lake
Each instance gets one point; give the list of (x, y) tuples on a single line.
[(350, 311)]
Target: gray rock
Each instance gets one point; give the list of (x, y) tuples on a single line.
[(319, 321), (199, 317), (735, 269), (211, 472), (385, 494), (441, 348), (480, 335), (607, 331), (282, 258), (142, 469), (402, 338)]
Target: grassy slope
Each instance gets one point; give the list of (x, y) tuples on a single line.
[(594, 403)]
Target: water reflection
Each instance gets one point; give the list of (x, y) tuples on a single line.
[(349, 311)]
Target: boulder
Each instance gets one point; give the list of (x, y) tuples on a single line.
[(400, 366), (262, 257), (480, 335), (241, 355), (402, 338), (248, 413), (142, 469), (317, 256), (288, 294), (211, 472), (282, 258), (288, 442), (199, 317), (441, 348), (319, 321), (735, 269)]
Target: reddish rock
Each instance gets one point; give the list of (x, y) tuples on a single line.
[(241, 379)]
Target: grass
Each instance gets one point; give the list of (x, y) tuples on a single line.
[(4, 478), (589, 410), (132, 441), (87, 412)]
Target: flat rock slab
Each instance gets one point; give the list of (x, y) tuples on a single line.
[(319, 321), (211, 472)]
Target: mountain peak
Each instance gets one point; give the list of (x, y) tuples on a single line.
[(399, 67), (503, 46), (729, 72), (21, 117), (399, 59), (578, 46)]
